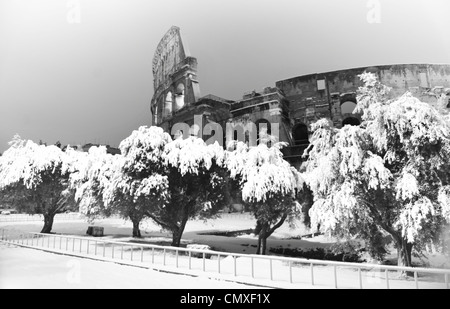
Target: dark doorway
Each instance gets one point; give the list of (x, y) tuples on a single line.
[(300, 134), (351, 121)]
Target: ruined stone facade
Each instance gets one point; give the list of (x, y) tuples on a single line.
[(177, 92), (333, 94), (293, 104), (174, 77)]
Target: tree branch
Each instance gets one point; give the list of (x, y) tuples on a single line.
[(159, 222), (277, 225), (379, 220)]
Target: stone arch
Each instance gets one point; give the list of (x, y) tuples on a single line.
[(155, 115), (160, 106), (263, 125), (179, 96), (348, 104), (168, 104), (348, 107), (300, 134)]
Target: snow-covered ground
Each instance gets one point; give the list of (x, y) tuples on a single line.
[(30, 269), (120, 230)]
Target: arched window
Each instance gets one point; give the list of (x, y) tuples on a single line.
[(300, 134), (155, 115), (168, 104), (179, 96), (160, 110), (347, 107), (263, 132)]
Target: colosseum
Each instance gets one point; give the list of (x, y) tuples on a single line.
[(293, 103)]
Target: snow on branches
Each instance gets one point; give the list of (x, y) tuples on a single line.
[(144, 147), (93, 179), (191, 154), (263, 171), (25, 162)]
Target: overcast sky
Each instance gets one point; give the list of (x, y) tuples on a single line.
[(87, 77)]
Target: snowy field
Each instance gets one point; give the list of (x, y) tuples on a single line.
[(12, 260)]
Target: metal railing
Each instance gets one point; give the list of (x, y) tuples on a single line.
[(264, 267)]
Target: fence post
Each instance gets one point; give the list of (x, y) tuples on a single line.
[(142, 254), (203, 261), (271, 272), (60, 242), (73, 244), (104, 248), (121, 254), (312, 274), (335, 277), (95, 250), (131, 253), (387, 279), (3, 234), (235, 266), (112, 248), (360, 278), (164, 256), (290, 271), (416, 280), (218, 263), (81, 242), (253, 272), (153, 255), (87, 249), (189, 259)]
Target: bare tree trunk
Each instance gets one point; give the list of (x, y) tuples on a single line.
[(264, 231), (48, 223), (404, 253), (263, 245), (178, 232), (262, 239), (176, 237), (136, 230)]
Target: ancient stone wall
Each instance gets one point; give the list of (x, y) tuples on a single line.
[(174, 77)]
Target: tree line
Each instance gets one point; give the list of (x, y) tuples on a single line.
[(384, 181)]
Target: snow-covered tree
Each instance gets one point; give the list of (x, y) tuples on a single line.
[(38, 176), (91, 177), (389, 175), (443, 106), (269, 186), (139, 185), (122, 184), (197, 184)]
